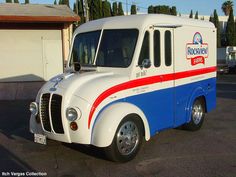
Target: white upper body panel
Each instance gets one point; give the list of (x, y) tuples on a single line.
[(147, 22), (140, 22)]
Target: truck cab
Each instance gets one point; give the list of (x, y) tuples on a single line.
[(127, 79)]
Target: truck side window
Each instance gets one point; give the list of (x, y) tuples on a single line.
[(168, 55), (144, 54), (157, 48)]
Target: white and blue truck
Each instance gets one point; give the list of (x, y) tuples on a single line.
[(127, 79)]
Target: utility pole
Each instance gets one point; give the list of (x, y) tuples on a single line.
[(127, 11), (86, 10)]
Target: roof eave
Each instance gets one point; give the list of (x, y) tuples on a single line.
[(39, 19)]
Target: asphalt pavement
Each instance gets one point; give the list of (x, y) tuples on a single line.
[(210, 152)]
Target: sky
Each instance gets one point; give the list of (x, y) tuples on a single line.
[(204, 7)]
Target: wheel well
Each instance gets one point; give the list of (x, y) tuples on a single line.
[(203, 100), (137, 117)]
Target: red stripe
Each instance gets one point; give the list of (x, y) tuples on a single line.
[(145, 81)]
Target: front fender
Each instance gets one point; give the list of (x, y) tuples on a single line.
[(35, 128), (109, 119)]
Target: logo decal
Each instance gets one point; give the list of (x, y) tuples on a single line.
[(197, 51)]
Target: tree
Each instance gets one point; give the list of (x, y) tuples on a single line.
[(27, 1), (215, 20), (162, 10), (67, 2), (133, 9), (16, 1), (114, 9), (151, 9), (55, 2), (75, 8), (196, 15), (227, 6), (191, 14), (8, 1), (120, 9), (173, 11), (81, 11), (211, 19), (230, 29), (100, 8), (106, 7), (64, 2), (95, 9), (235, 33)]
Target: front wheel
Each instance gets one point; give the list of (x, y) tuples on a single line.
[(197, 115), (127, 140)]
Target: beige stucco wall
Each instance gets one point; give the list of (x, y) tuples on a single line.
[(30, 55), (67, 33)]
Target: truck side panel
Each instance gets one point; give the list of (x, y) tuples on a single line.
[(191, 55)]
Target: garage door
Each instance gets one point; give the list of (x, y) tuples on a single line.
[(30, 55)]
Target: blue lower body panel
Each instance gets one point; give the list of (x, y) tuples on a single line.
[(169, 108)]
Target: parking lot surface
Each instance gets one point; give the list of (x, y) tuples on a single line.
[(210, 152)]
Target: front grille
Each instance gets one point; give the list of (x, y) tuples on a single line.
[(45, 111), (56, 113), (51, 109)]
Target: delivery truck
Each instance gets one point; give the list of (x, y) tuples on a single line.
[(128, 78)]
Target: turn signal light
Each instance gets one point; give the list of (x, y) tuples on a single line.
[(73, 126)]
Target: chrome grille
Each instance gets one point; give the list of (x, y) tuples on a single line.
[(52, 104), (56, 113), (44, 110)]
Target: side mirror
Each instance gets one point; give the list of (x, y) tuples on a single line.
[(77, 66), (146, 63)]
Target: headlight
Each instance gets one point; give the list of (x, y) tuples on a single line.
[(33, 108), (72, 114)]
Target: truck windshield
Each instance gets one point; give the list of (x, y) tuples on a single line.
[(116, 48), (84, 48)]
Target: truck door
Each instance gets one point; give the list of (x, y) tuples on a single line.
[(164, 68), (156, 95)]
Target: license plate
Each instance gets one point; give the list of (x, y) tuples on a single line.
[(41, 139)]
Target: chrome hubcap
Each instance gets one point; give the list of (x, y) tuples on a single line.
[(197, 113), (127, 138)]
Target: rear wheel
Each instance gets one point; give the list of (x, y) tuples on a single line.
[(197, 115), (127, 140)]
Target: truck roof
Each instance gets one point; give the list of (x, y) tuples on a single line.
[(142, 21)]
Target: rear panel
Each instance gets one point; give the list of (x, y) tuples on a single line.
[(195, 59)]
